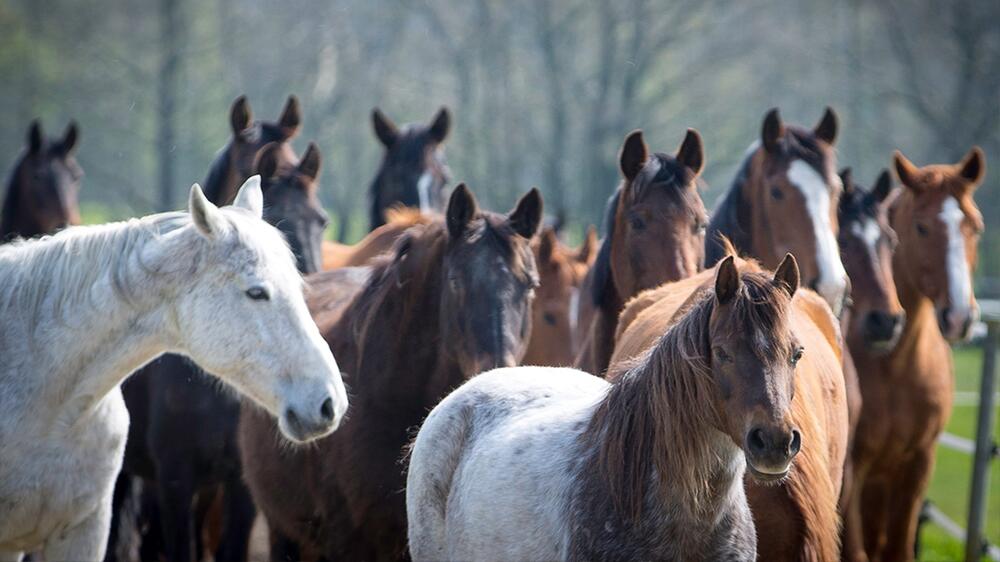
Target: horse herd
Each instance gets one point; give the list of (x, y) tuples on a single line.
[(766, 382)]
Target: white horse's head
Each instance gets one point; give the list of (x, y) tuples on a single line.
[(240, 313)]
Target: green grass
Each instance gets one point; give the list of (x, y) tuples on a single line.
[(950, 483)]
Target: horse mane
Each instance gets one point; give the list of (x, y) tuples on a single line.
[(731, 219), (399, 215), (604, 284), (217, 175), (11, 200), (657, 418)]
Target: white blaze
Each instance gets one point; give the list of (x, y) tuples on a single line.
[(424, 191), (868, 231), (832, 280), (959, 280)]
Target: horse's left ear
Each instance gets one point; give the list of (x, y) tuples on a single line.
[(883, 186), (973, 166), (589, 247), (727, 280), (826, 129), (204, 214), (787, 274), (847, 180), (527, 215), (692, 153), (311, 162), (291, 117), (250, 197), (633, 155), (441, 125), (35, 139), (462, 207), (70, 138)]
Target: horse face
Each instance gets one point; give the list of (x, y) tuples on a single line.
[(939, 227), (798, 189), (661, 220), (866, 246), (245, 318), (753, 363), (413, 172), (250, 136), (291, 205), (552, 311), (49, 179), (489, 281)]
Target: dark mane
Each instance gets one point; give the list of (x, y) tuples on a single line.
[(604, 285), (217, 175), (11, 201)]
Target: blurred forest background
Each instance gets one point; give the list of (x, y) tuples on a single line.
[(542, 92)]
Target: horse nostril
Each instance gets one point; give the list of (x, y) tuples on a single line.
[(291, 416), (755, 440), (796, 443), (326, 410)]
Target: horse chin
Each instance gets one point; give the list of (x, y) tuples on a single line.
[(768, 478), (301, 433)]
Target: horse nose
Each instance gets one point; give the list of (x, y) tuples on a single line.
[(326, 410), (770, 450), (305, 424), (881, 326)]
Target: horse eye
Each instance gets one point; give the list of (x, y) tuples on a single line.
[(700, 227), (796, 355), (637, 222), (722, 355), (922, 230), (258, 294), (777, 193)]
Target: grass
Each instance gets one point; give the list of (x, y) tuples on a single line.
[(950, 483)]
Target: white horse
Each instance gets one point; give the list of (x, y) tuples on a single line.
[(83, 309)]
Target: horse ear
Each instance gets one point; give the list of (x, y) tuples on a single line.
[(692, 153), (787, 274), (527, 215), (462, 208), (311, 162), (727, 280), (905, 169), (240, 115), (826, 129), (250, 197), (973, 166), (440, 126), (772, 130), (70, 138), (385, 129), (35, 139), (633, 155), (547, 245), (291, 117), (204, 214), (589, 246), (883, 186), (847, 179), (268, 160)]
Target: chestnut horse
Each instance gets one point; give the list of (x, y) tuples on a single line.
[(42, 192), (377, 242), (784, 199), (938, 225), (553, 464), (450, 301), (798, 518), (655, 223), (556, 309), (413, 172)]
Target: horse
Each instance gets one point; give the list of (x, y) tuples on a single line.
[(173, 397), (180, 282), (42, 190), (555, 311), (873, 319), (413, 172), (235, 162), (655, 223), (798, 518), (536, 463), (450, 301), (377, 242), (784, 199), (911, 386)]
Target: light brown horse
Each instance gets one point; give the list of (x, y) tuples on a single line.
[(909, 391), (556, 308), (377, 242), (655, 224), (798, 519)]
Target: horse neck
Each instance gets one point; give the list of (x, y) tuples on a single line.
[(221, 183), (14, 221)]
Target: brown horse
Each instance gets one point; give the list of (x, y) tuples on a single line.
[(784, 199), (235, 162), (797, 519), (556, 308), (378, 241), (909, 390), (655, 224), (874, 318), (42, 193), (413, 172), (450, 301)]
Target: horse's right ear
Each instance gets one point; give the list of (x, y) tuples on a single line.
[(462, 208), (35, 139), (589, 246), (385, 129), (268, 160), (883, 186), (250, 197), (291, 117), (727, 280), (440, 126), (527, 215), (772, 130), (240, 116), (908, 173), (204, 214), (70, 138), (692, 153), (633, 155), (973, 166), (787, 274), (311, 162)]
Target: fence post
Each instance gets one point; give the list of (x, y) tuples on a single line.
[(984, 447)]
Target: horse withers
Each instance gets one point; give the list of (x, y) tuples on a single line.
[(179, 282)]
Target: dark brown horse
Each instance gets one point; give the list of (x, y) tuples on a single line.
[(655, 224), (42, 192), (784, 199), (235, 162), (908, 392), (452, 300), (413, 172)]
